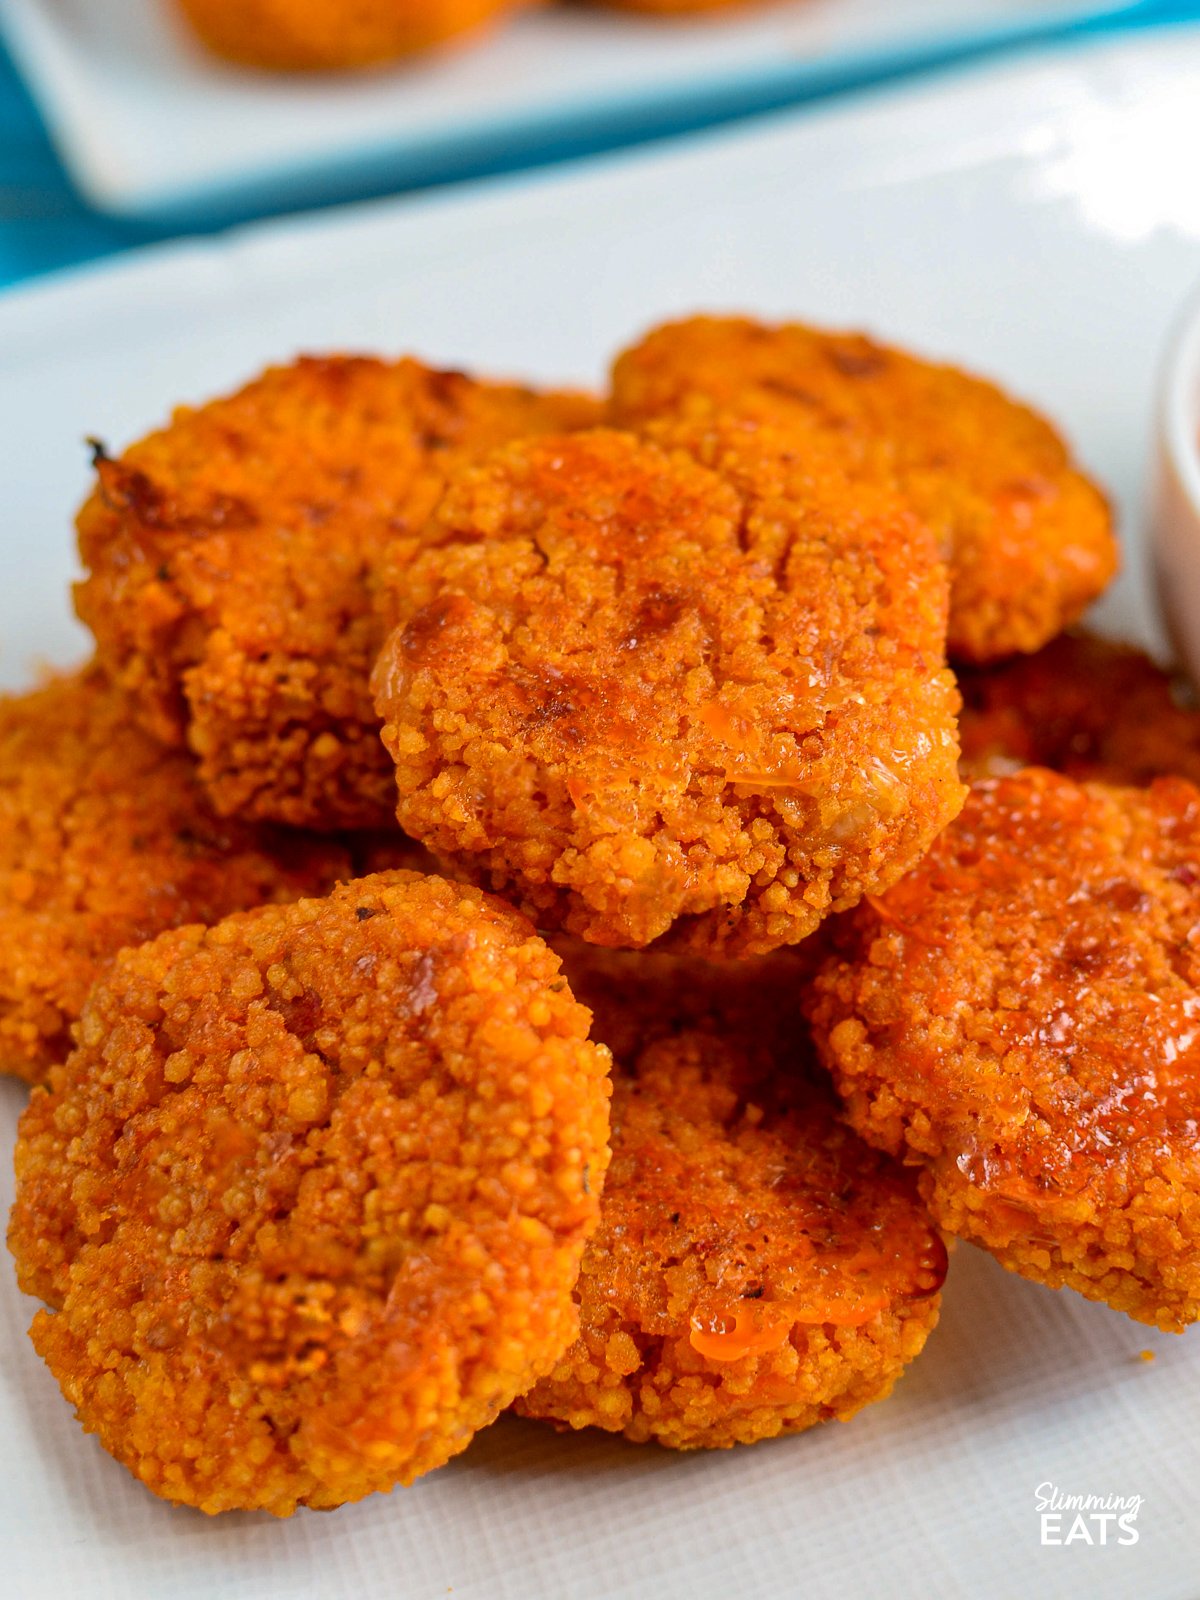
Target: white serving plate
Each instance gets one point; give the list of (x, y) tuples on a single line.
[(1040, 222), (148, 124)]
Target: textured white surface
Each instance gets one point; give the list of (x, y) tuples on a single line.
[(941, 217), (144, 118)]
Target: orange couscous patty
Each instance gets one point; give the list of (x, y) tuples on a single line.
[(757, 1268), (307, 1202), (1020, 1019), (645, 695)]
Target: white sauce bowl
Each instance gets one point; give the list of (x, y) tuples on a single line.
[(1175, 504)]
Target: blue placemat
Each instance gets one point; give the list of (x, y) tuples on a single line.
[(45, 226)]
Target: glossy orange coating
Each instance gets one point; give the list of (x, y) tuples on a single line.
[(331, 35), (757, 1268), (1083, 706), (1022, 1022), (309, 1198), (1028, 537), (106, 839), (645, 695), (231, 559)]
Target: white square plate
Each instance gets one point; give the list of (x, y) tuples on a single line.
[(148, 124), (1041, 223)]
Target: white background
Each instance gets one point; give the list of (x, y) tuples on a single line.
[(1040, 222)]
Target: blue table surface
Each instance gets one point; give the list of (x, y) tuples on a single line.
[(46, 226)]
